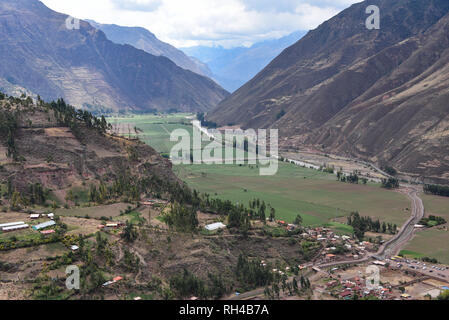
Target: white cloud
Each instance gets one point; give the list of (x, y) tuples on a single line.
[(207, 22)]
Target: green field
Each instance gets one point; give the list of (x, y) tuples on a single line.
[(156, 128), (293, 190), (436, 205), (433, 242), (314, 194)]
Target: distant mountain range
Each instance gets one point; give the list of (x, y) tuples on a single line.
[(380, 95), (38, 53), (143, 39), (232, 68)]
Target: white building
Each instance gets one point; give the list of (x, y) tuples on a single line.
[(215, 226)]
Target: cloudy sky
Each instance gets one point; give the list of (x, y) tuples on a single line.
[(207, 22)]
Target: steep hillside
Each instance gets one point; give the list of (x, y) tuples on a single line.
[(233, 67), (143, 39), (376, 94), (39, 53), (58, 148)]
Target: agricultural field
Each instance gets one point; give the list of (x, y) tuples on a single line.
[(432, 242), (154, 130), (316, 195)]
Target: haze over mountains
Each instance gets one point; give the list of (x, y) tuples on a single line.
[(381, 95), (233, 67), (143, 39), (39, 53)]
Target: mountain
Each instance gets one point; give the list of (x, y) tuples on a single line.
[(39, 53), (234, 67), (143, 39), (380, 95)]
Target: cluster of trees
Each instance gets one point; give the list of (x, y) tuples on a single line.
[(207, 204), (188, 284), (240, 219), (252, 273), (390, 183), (432, 221), (352, 178), (8, 128), (182, 218), (291, 288), (298, 220), (37, 194), (239, 216), (71, 117), (437, 190), (390, 170), (259, 210), (131, 262), (364, 224), (131, 187), (444, 295), (122, 186), (129, 232), (429, 260)]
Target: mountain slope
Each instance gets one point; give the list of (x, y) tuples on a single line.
[(38, 52), (378, 95), (60, 148), (233, 67), (143, 39)]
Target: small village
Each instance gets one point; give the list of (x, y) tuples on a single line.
[(342, 269)]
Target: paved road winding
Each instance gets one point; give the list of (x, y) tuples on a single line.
[(390, 248), (394, 245)]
